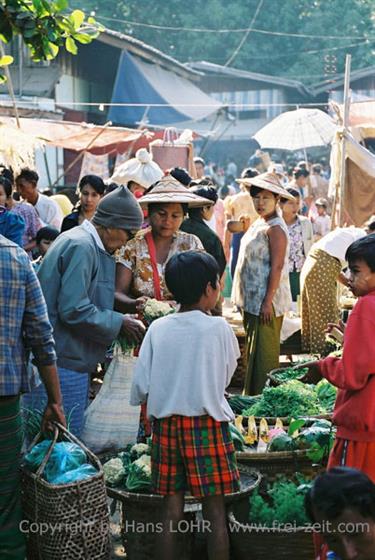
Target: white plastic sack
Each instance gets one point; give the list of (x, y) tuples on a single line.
[(110, 421)]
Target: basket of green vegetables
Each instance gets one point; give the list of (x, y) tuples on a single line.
[(302, 445), (282, 375), (274, 524), (128, 481)]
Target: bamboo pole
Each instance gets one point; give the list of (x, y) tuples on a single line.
[(343, 141)]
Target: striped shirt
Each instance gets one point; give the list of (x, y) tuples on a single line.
[(24, 323)]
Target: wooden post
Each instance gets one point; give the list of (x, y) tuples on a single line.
[(343, 141)]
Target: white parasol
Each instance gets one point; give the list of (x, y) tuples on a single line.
[(296, 130)]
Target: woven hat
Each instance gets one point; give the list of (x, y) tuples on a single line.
[(269, 182), (321, 202), (169, 190), (141, 169)]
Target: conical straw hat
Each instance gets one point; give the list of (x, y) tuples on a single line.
[(168, 190), (269, 182)]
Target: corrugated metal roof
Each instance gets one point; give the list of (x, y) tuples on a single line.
[(337, 80), (224, 71), (143, 50), (36, 81)]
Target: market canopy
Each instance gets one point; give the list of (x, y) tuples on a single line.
[(158, 96), (79, 136)]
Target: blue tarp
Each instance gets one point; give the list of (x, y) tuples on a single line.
[(139, 82)]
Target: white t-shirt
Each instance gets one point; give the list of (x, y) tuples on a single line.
[(337, 241), (185, 363), (49, 211), (322, 225)]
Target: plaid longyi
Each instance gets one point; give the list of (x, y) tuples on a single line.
[(193, 453)]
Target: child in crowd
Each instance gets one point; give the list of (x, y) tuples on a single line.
[(322, 223), (341, 500), (186, 361), (354, 373), (44, 239)]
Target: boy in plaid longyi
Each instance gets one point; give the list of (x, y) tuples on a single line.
[(186, 361)]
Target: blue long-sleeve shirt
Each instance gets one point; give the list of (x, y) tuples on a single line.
[(24, 323)]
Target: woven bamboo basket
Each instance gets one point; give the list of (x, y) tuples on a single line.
[(272, 464), (141, 513), (277, 544), (77, 511)]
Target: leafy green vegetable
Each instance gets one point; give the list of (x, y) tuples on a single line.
[(326, 394), (238, 403), (288, 374), (283, 502), (281, 442), (139, 477), (290, 399), (237, 437)]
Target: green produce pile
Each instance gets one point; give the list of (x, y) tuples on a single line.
[(288, 374), (283, 502), (130, 470), (317, 439), (238, 403), (326, 394), (291, 399)]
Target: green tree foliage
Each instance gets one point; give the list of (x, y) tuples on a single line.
[(45, 27), (309, 59)]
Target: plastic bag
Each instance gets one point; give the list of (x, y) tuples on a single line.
[(65, 457), (110, 421), (81, 473)]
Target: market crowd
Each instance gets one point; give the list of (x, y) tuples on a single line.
[(76, 275)]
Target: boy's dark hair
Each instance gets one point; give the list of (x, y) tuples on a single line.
[(291, 191), (94, 181), (181, 175), (199, 160), (340, 488), (7, 186), (187, 275), (254, 191), (28, 175), (362, 250), (48, 233)]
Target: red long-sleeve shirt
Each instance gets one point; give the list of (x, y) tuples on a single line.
[(354, 374)]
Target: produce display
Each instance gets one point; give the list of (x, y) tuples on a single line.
[(130, 469), (281, 503), (289, 373), (155, 309), (290, 399), (315, 437), (238, 403)]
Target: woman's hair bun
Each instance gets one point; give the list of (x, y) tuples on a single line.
[(143, 156)]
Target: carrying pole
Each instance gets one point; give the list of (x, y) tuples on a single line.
[(343, 141)]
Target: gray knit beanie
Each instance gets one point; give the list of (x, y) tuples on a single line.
[(119, 210)]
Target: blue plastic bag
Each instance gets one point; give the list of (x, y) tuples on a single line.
[(65, 457), (81, 473)]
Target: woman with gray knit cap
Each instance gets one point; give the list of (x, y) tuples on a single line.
[(78, 281)]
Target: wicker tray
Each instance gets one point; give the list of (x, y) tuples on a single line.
[(141, 510), (263, 545), (78, 509), (271, 464)]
